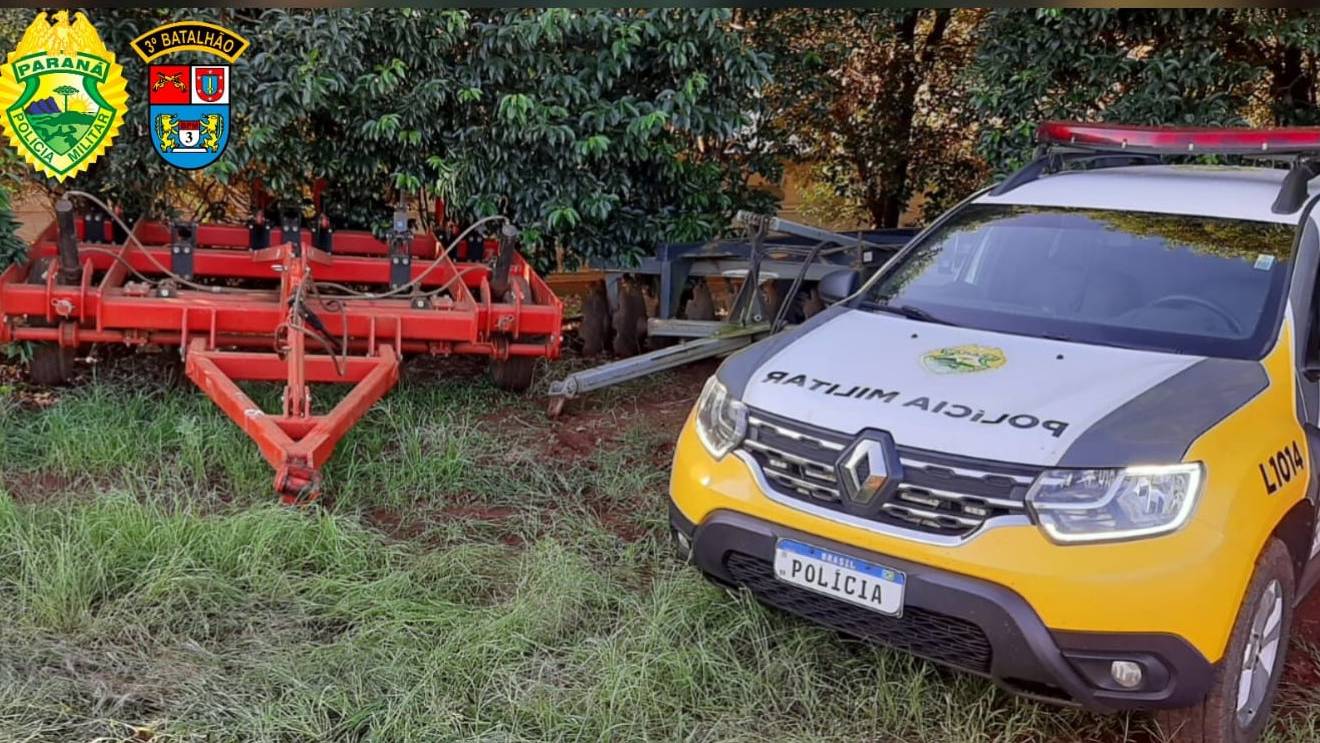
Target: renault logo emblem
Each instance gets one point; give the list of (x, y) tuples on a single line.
[(868, 472)]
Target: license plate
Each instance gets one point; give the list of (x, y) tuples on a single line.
[(846, 578)]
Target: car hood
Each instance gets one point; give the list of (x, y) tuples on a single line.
[(992, 396)]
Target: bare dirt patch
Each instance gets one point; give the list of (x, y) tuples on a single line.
[(1302, 670), (107, 363), (660, 404), (37, 487)]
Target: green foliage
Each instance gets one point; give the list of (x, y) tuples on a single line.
[(605, 130), (11, 248), (600, 130), (872, 99), (1210, 67), (889, 105)]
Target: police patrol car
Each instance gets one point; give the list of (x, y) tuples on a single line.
[(1065, 439)]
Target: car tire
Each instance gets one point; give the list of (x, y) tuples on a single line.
[(1236, 710)]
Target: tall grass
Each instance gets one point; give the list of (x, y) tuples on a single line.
[(150, 589), (271, 624)]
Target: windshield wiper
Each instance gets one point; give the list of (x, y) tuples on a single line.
[(911, 312), (1057, 337)]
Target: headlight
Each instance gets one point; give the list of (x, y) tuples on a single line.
[(1105, 505), (721, 420)]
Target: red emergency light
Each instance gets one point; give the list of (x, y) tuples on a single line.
[(1160, 140)]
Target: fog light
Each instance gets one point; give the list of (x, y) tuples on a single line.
[(1126, 673)]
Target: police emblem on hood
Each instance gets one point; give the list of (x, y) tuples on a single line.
[(963, 359)]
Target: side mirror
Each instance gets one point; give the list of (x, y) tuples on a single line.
[(836, 285)]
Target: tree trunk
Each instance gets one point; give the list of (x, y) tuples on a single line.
[(886, 192), (1292, 88)]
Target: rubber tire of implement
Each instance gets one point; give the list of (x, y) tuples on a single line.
[(1215, 719), (652, 293), (515, 374), (595, 329), (629, 320), (812, 304), (701, 306), (51, 365), (803, 305)]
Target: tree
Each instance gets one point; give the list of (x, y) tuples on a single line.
[(1284, 44), (606, 130), (1210, 67), (601, 130), (874, 99), (66, 91), (11, 248)]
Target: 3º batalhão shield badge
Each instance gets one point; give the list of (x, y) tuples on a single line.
[(64, 98), (189, 104), (189, 113)]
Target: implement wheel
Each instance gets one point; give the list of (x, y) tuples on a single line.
[(629, 320), (51, 365), (701, 306), (515, 373), (595, 330)]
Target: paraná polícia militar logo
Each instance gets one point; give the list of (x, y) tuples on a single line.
[(63, 95), (963, 359)]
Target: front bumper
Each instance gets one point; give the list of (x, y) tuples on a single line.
[(956, 620)]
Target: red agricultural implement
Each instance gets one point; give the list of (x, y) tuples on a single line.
[(301, 306)]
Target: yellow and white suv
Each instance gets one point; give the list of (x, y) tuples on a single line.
[(1065, 439)]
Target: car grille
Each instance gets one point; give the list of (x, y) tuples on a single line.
[(932, 635), (938, 495)]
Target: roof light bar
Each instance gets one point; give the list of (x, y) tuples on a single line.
[(1181, 140)]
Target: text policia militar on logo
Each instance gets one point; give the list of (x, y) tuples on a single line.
[(948, 409)]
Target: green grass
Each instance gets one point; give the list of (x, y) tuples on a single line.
[(461, 586)]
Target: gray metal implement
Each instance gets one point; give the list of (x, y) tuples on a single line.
[(658, 326), (777, 224), (764, 258), (623, 370)]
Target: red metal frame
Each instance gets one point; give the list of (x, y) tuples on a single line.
[(1182, 140), (253, 332)]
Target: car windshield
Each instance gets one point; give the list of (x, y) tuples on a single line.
[(1184, 284)]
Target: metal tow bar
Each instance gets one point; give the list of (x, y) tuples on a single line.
[(624, 370)]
